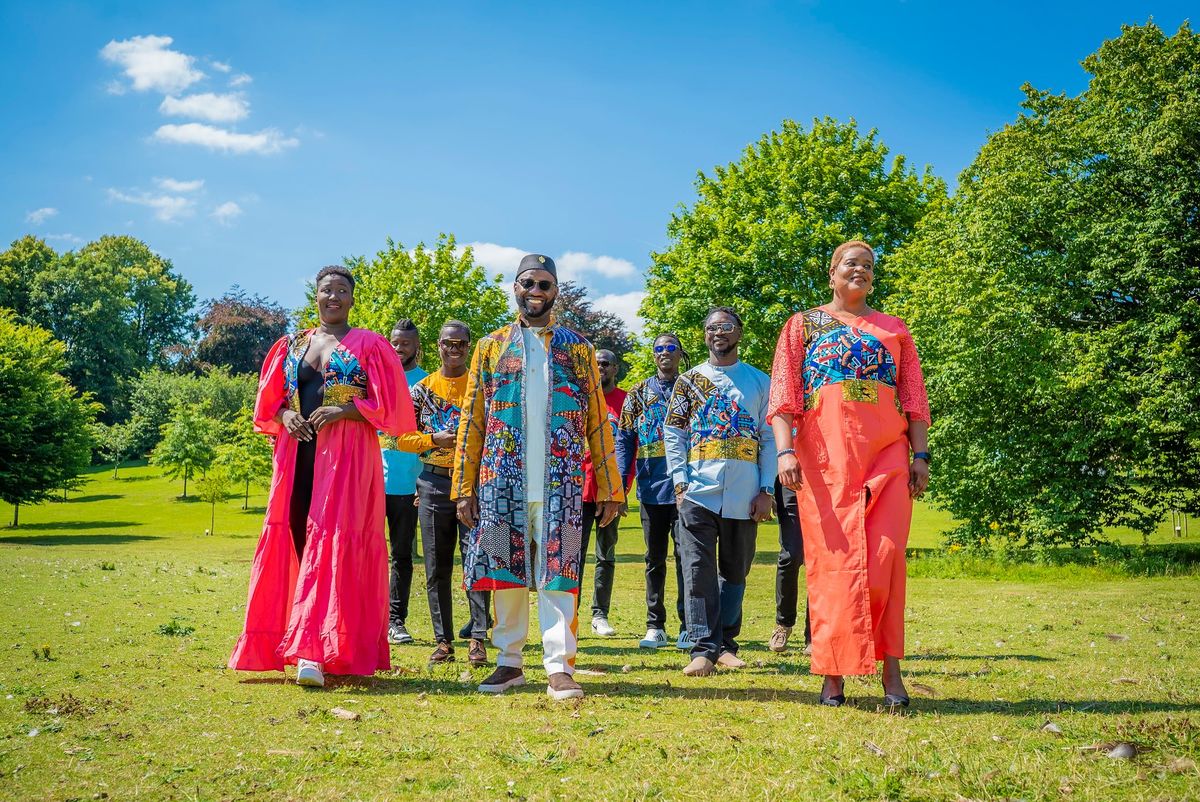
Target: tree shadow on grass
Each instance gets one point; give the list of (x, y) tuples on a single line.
[(43, 526), (77, 540), (93, 497)]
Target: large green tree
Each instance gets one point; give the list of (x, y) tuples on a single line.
[(760, 234), (45, 425), (427, 285), (215, 392), (1056, 305), (603, 329), (115, 304)]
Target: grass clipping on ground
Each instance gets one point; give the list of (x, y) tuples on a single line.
[(114, 687)]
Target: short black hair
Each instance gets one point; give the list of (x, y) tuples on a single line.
[(335, 270), (404, 324), (729, 310), (457, 324)]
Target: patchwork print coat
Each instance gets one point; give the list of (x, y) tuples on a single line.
[(491, 453)]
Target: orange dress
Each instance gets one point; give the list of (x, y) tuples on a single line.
[(851, 385)]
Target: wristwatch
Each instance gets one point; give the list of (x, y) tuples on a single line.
[(921, 455), (770, 491)]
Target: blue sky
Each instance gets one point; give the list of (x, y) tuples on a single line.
[(252, 143)]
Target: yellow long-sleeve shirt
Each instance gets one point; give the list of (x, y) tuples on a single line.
[(437, 402)]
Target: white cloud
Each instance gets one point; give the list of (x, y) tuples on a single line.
[(269, 140), (167, 208), (502, 259), (220, 66), (39, 216), (173, 185), (572, 265), (240, 80), (625, 306), (226, 213), (149, 64), (71, 238), (207, 106)]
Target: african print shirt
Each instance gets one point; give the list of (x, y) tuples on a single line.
[(437, 402), (640, 438), (716, 438)]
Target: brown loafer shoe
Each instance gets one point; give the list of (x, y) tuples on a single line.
[(730, 660), (700, 666), (476, 653), (779, 638), (442, 653), (561, 686), (503, 678)]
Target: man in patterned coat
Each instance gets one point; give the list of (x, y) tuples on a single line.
[(533, 406)]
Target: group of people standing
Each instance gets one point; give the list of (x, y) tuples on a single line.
[(521, 453)]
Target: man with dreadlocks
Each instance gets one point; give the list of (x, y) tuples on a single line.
[(721, 455), (640, 438)]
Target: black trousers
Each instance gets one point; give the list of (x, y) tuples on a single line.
[(791, 557), (658, 529), (402, 532), (606, 558), (717, 555), (441, 532)]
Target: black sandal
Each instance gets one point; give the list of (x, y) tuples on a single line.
[(837, 700), (891, 700)]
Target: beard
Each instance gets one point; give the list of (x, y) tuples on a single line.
[(523, 306), (726, 351)]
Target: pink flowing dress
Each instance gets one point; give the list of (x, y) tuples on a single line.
[(331, 605), (850, 386)]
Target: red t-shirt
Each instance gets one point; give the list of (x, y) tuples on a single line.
[(615, 399)]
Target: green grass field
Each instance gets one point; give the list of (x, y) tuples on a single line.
[(119, 615)]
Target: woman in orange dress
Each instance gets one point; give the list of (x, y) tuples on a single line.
[(851, 422)]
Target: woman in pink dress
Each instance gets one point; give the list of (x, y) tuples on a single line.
[(319, 583)]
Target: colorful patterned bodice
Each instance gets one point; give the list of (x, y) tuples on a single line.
[(344, 377), (838, 353)]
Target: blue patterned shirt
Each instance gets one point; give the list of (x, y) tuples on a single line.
[(716, 436)]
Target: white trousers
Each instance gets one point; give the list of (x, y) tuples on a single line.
[(557, 615)]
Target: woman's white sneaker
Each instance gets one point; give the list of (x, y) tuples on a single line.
[(309, 674)]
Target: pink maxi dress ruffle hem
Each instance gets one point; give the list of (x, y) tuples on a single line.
[(330, 606)]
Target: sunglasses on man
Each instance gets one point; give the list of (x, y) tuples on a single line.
[(719, 328), (670, 348), (544, 284), (604, 363), (453, 345)]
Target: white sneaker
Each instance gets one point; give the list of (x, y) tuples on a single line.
[(309, 674), (655, 639), (684, 643), (601, 627)]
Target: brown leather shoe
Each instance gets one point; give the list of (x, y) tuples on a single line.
[(476, 653), (561, 686), (503, 678), (779, 638), (730, 660), (700, 666), (442, 653)]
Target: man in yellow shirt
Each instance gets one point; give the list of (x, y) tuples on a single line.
[(437, 400)]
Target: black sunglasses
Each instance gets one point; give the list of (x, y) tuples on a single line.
[(604, 363), (719, 328), (453, 344), (670, 348), (544, 285)]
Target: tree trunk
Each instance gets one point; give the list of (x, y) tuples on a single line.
[(246, 503), (116, 465), (185, 478), (212, 521), (16, 514)]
